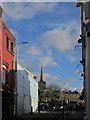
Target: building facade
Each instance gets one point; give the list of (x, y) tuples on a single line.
[(27, 91), (85, 36), (7, 69), (69, 96)]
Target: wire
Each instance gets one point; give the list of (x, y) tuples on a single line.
[(16, 13)]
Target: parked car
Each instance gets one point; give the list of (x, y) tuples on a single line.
[(58, 107)]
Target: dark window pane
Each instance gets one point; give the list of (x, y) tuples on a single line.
[(5, 77), (88, 34), (7, 42), (11, 47)]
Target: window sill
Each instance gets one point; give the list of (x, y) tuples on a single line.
[(10, 52)]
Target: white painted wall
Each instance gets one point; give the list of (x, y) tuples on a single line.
[(23, 91), (34, 93), (27, 91)]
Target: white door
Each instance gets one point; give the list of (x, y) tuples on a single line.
[(26, 104)]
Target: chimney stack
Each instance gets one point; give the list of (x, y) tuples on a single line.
[(1, 10)]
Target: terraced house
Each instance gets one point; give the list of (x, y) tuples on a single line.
[(7, 68)]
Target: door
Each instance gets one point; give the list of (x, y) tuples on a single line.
[(27, 104)]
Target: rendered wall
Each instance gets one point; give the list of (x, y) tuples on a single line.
[(27, 91), (34, 93), (23, 91)]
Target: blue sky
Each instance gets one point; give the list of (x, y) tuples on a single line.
[(52, 30)]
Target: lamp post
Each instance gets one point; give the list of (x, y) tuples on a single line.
[(22, 43), (18, 44), (16, 81)]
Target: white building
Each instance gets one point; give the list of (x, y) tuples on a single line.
[(27, 91)]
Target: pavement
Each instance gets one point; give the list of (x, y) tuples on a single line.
[(44, 115), (76, 116)]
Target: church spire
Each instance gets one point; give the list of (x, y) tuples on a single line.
[(42, 83), (42, 76)]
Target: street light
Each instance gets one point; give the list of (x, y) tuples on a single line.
[(16, 74), (24, 42), (21, 43)]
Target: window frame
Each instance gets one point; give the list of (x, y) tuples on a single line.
[(4, 76), (5, 68)]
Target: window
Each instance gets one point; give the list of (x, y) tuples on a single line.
[(88, 34), (11, 47), (7, 42), (87, 9), (4, 76), (88, 30)]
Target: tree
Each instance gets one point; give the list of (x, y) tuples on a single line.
[(82, 95), (49, 95), (54, 91)]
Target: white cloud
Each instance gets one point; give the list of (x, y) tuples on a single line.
[(77, 72), (51, 79), (47, 61), (34, 51), (26, 10), (72, 58), (56, 80), (79, 89), (49, 52), (41, 56), (61, 39), (67, 88)]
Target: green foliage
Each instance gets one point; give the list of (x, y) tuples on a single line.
[(47, 95)]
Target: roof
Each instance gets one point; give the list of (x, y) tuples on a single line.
[(31, 74)]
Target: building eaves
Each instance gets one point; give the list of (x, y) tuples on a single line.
[(80, 3), (31, 74), (6, 27)]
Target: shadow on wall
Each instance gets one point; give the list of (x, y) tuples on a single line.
[(8, 94)]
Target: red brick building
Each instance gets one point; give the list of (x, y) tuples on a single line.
[(7, 68)]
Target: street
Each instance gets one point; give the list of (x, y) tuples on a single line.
[(50, 116)]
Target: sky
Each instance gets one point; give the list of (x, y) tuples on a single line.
[(51, 30)]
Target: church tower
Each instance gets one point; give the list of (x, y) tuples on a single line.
[(42, 83)]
